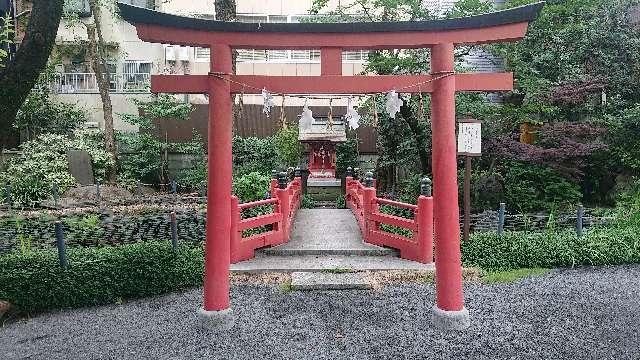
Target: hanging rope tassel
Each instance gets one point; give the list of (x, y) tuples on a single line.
[(330, 116), (241, 106)]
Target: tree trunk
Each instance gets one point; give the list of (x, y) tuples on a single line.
[(21, 73), (419, 136), (98, 61)]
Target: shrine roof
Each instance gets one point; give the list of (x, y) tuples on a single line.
[(137, 15)]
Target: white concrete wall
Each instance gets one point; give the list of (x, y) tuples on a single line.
[(121, 104)]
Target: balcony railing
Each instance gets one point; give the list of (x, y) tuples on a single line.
[(85, 83)]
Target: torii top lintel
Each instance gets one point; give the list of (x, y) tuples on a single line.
[(506, 25), (331, 39)]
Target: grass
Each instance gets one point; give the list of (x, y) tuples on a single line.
[(285, 287), (509, 276)]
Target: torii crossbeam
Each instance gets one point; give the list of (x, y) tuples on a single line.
[(438, 35)]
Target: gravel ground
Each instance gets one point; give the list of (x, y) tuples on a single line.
[(566, 314)]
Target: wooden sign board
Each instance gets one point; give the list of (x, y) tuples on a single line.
[(469, 138)]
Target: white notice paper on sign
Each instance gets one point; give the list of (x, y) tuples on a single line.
[(469, 138)]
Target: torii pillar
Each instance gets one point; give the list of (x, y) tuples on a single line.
[(438, 35), (449, 310)]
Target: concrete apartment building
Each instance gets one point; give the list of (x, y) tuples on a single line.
[(133, 61)]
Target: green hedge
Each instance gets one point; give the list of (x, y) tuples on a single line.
[(97, 276), (520, 249)]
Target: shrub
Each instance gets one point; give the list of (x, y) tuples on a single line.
[(346, 156), (529, 187), (254, 154), (43, 162), (519, 249), (96, 276), (144, 154), (251, 187), (288, 146), (307, 202)]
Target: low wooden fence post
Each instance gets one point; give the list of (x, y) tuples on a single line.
[(579, 220), (62, 247), (424, 220), (369, 206), (501, 218), (174, 230)]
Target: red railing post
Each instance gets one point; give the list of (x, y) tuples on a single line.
[(282, 194), (369, 205), (236, 235), (424, 220)]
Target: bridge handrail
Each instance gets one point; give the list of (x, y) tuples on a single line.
[(249, 205), (365, 206), (396, 204), (286, 203)]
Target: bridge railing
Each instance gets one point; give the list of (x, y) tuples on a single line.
[(413, 237), (285, 201)]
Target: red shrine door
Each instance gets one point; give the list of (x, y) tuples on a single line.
[(332, 39)]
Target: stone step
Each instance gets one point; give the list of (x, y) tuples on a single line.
[(319, 251), (329, 281), (310, 263)]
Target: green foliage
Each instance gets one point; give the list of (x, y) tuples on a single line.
[(43, 162), (346, 155), (251, 187), (7, 32), (307, 202), (42, 113), (288, 146), (341, 202), (86, 227), (254, 154), (144, 155), (529, 187), (195, 174), (598, 246), (510, 276), (35, 281), (624, 137)]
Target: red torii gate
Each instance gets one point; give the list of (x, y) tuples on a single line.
[(439, 35)]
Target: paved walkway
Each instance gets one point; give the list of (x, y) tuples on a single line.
[(325, 239), (566, 314), (326, 232)]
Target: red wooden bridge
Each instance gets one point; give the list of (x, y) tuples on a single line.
[(360, 198)]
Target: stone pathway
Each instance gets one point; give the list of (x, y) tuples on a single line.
[(326, 240), (327, 232)]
